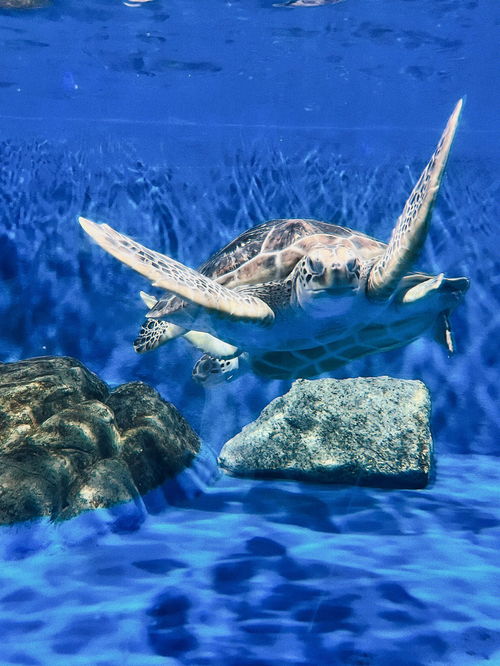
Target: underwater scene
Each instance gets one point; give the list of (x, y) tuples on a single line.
[(250, 312)]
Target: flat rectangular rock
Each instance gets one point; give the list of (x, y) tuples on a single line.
[(366, 431)]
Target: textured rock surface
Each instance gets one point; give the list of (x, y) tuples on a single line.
[(143, 419), (68, 444), (365, 431)]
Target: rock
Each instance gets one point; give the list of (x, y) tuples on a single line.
[(365, 431), (108, 482), (78, 438), (33, 390), (68, 444), (144, 419), (30, 484)]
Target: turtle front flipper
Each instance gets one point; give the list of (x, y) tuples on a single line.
[(411, 228), (173, 276)]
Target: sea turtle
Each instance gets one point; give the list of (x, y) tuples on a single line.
[(298, 297)]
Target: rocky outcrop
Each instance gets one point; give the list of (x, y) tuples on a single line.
[(69, 444), (365, 431)]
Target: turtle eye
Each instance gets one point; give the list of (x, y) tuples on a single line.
[(314, 266)]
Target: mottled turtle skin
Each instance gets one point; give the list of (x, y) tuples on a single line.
[(298, 297)]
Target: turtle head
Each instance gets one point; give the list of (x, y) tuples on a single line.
[(327, 272)]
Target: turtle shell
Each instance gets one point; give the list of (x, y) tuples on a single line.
[(270, 251)]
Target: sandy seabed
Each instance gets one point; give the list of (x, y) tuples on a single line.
[(255, 572)]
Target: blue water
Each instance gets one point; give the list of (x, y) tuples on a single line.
[(182, 124)]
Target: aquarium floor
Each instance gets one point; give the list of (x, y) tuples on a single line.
[(255, 572)]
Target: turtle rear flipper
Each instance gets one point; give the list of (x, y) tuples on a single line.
[(209, 370), (154, 333), (212, 345), (166, 273)]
